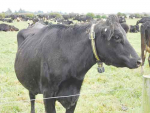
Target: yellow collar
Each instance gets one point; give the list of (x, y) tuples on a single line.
[(92, 38)]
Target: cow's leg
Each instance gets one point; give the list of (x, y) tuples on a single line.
[(71, 109), (49, 85), (32, 99), (49, 103)]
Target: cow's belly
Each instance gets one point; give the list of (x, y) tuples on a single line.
[(28, 72)]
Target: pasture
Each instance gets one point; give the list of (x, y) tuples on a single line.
[(118, 90)]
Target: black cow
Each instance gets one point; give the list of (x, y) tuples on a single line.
[(66, 17), (9, 20), (131, 16), (134, 28), (143, 20), (83, 18), (54, 61), (125, 27), (68, 22), (5, 27), (145, 41)]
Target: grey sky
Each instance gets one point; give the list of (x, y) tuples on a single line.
[(78, 6)]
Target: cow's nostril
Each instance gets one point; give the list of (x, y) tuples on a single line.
[(139, 62)]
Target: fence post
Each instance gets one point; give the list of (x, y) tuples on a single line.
[(146, 94)]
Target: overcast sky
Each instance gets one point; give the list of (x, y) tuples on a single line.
[(78, 6)]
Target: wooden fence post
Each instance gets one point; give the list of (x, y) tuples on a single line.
[(146, 94)]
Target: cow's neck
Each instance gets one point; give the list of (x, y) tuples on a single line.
[(85, 58)]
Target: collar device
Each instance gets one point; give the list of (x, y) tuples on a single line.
[(92, 38)]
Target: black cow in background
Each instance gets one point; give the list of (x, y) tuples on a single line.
[(122, 22), (134, 28), (131, 16), (54, 60), (125, 27), (145, 41), (6, 20), (6, 27), (143, 20), (82, 18)]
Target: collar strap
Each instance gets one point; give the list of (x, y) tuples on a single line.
[(92, 38)]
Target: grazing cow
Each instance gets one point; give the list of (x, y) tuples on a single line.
[(67, 22), (9, 20), (143, 20), (134, 28), (5, 27), (125, 27), (30, 31), (54, 61), (132, 16), (145, 41)]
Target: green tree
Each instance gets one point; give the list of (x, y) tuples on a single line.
[(123, 14), (55, 15), (98, 16), (119, 14), (145, 14), (104, 16), (90, 15), (30, 15), (137, 15), (2, 15)]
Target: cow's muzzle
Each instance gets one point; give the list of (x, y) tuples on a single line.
[(139, 62)]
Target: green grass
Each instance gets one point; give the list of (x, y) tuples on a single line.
[(105, 93)]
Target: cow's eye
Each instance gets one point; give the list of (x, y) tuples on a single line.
[(117, 37)]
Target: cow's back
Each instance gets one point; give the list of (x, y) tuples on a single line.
[(29, 32)]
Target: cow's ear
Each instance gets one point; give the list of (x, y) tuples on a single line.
[(107, 32)]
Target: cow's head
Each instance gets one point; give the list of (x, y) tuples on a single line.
[(13, 28), (112, 45), (122, 20)]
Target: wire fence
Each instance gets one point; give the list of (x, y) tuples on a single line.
[(3, 100)]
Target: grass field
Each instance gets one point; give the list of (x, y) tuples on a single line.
[(118, 90)]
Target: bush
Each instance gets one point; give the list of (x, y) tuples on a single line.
[(30, 15), (2, 15), (90, 15), (145, 14), (98, 16), (55, 15), (137, 15), (123, 14), (104, 17), (119, 14)]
